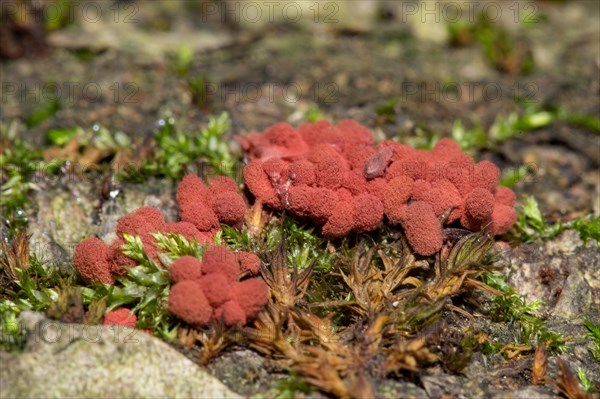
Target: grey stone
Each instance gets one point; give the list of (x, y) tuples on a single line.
[(70, 209), (73, 360), (524, 393), (562, 272)]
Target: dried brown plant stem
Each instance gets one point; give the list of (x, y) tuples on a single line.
[(14, 256)]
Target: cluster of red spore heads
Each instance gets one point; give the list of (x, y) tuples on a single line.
[(208, 206), (211, 290), (120, 317), (202, 291), (202, 210), (334, 176)]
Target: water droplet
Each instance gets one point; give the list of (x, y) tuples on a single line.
[(161, 122), (96, 127)]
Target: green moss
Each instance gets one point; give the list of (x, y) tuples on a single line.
[(588, 227), (26, 283), (183, 59), (474, 137), (594, 334), (314, 114), (532, 226), (43, 110), (304, 248), (176, 149), (62, 136), (146, 287), (504, 128), (501, 48), (488, 348), (59, 15), (513, 308), (511, 176), (515, 125), (12, 337), (291, 387), (18, 164), (584, 381), (386, 112), (587, 121)]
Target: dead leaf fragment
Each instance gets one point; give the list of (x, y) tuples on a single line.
[(567, 383), (540, 362)]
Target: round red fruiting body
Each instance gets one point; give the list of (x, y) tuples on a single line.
[(185, 268), (446, 149), (229, 207), (505, 196), (188, 302), (341, 220), (191, 190), (330, 166), (302, 171), (503, 219), (231, 313), (357, 156), (354, 134), (355, 182), (377, 187), (284, 135), (220, 184), (399, 151), (420, 188), (395, 197), (248, 262), (200, 215), (423, 229), (442, 196), (479, 204), (259, 184), (321, 132), (220, 259), (133, 224), (120, 317), (486, 175), (216, 288), (459, 171), (91, 259), (252, 296), (277, 170), (368, 212), (153, 217)]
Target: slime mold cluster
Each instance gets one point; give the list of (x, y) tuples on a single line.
[(334, 176), (210, 289), (202, 291), (120, 317)]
